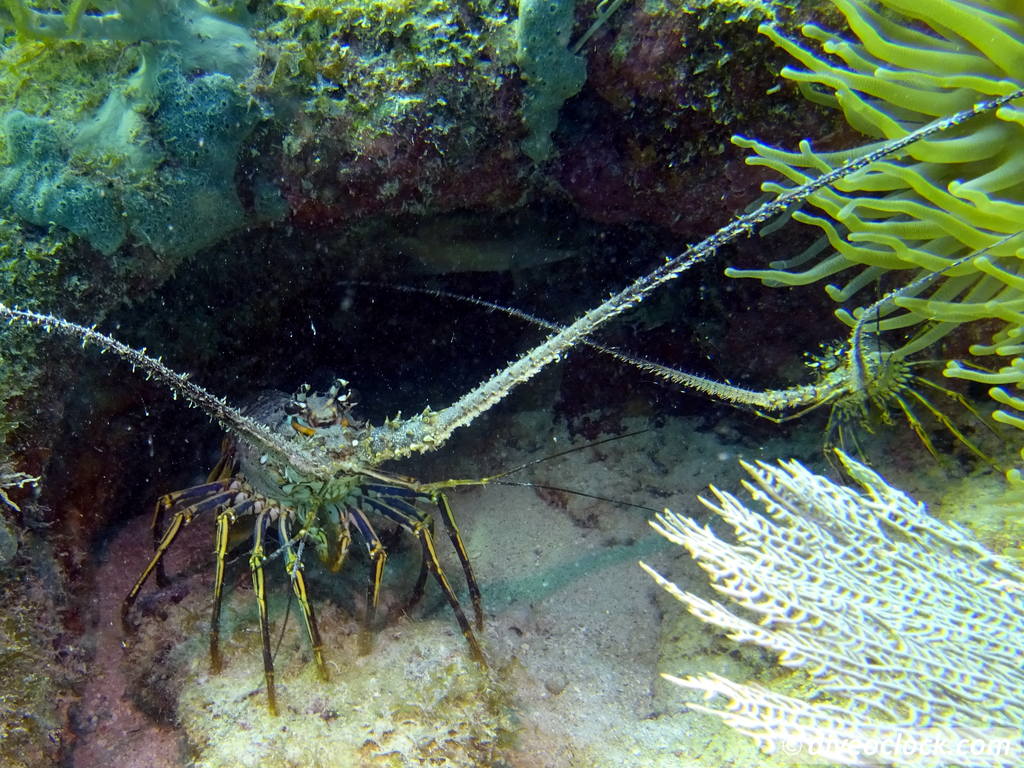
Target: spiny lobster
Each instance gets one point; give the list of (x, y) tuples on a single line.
[(311, 469)]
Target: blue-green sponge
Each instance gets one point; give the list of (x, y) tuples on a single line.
[(162, 175)]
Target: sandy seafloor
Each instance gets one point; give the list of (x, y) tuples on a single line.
[(575, 632)]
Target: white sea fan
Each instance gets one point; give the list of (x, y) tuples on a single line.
[(912, 630)]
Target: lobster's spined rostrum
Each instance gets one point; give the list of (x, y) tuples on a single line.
[(306, 469), (255, 494)]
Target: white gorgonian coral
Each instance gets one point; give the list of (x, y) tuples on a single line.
[(912, 630)]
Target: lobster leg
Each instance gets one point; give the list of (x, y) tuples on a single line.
[(224, 522), (422, 532), (172, 502), (181, 518), (259, 589), (343, 541), (378, 556), (225, 466), (414, 521), (421, 581), (294, 567), (460, 549)]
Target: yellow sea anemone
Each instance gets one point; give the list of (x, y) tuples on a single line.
[(905, 63)]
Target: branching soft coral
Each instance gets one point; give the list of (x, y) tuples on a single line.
[(908, 626), (946, 197)]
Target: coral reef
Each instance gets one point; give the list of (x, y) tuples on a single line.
[(198, 34), (391, 107), (668, 84), (323, 458), (121, 126), (131, 152), (355, 109), (384, 118)]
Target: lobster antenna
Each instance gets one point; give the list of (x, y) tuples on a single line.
[(179, 384), (397, 438), (886, 302), (770, 400), (430, 429)]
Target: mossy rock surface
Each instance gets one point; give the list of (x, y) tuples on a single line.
[(32, 677)]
